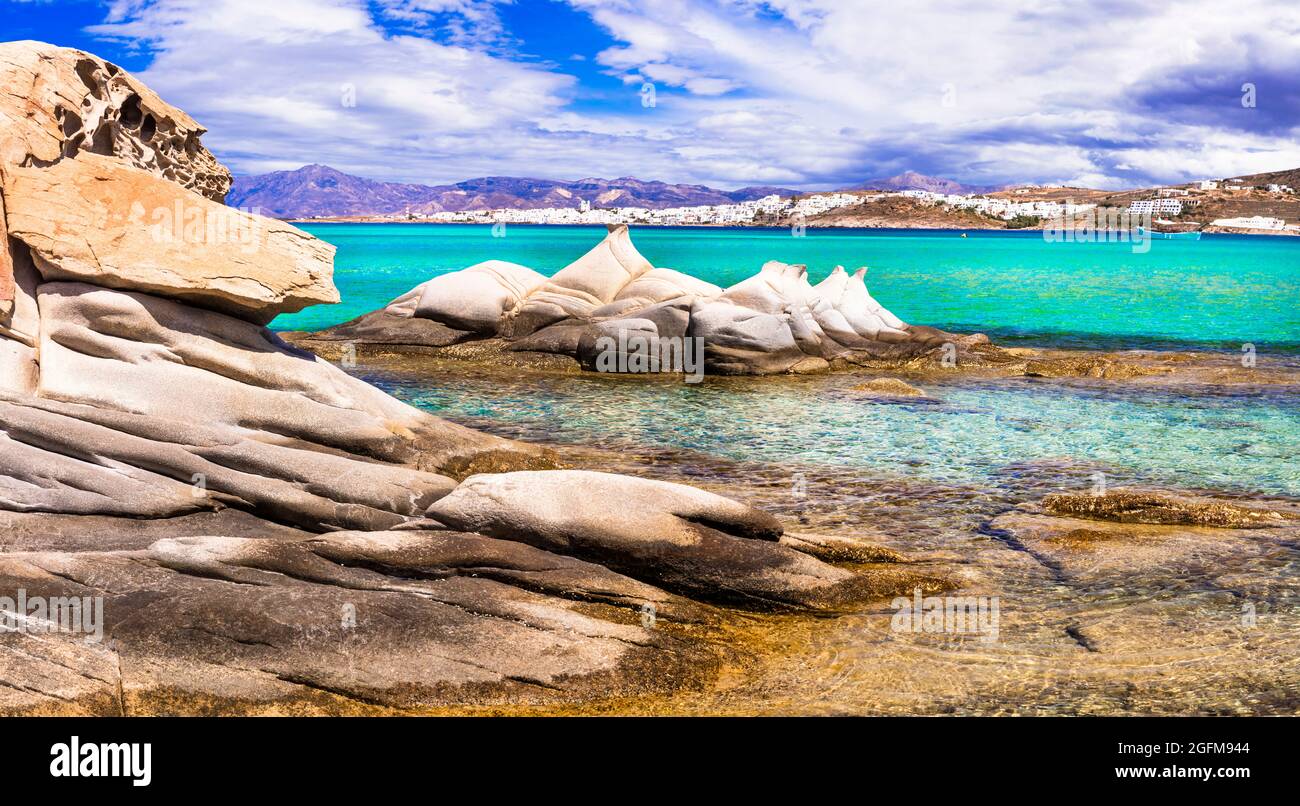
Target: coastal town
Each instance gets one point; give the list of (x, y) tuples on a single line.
[(1028, 206)]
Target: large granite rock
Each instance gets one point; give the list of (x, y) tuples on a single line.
[(683, 539), (611, 304), (139, 232), (475, 299), (344, 623)]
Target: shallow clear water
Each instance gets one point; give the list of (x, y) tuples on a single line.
[(1221, 291), (1247, 442)]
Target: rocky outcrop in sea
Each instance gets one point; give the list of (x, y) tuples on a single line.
[(612, 310)]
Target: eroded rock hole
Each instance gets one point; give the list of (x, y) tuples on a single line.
[(68, 122), (102, 141), (148, 128), (131, 115), (87, 72)]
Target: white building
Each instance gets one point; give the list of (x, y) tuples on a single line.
[(1209, 184), (1153, 206)]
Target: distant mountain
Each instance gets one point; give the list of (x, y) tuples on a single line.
[(911, 180), (319, 191)]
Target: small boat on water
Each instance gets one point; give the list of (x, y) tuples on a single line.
[(1194, 235)]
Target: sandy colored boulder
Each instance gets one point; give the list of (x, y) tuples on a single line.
[(72, 103), (96, 220)]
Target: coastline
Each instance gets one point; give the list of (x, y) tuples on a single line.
[(812, 225)]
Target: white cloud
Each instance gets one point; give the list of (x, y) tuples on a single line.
[(804, 93)]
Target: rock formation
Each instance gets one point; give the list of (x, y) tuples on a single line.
[(773, 322), (265, 531)]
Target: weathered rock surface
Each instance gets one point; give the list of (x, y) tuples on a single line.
[(773, 322), (345, 623), (139, 232), (680, 538), (575, 291), (474, 300), (61, 102)]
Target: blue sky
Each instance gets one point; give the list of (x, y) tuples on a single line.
[(797, 93)]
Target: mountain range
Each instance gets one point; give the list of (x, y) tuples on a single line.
[(319, 191), (911, 180)]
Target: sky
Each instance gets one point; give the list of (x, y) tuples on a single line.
[(805, 94)]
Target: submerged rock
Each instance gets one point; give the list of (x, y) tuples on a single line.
[(1138, 506), (889, 387), (773, 322)]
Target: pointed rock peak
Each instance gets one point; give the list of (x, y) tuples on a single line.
[(619, 243), (860, 273), (837, 270)]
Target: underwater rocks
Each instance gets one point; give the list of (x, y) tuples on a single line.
[(1138, 506), (611, 307), (254, 529), (888, 387)]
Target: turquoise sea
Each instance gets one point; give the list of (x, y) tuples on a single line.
[(1217, 293), (1222, 291)]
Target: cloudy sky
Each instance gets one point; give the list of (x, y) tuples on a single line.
[(798, 93)]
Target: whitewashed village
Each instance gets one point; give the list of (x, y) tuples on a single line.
[(1160, 204)]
